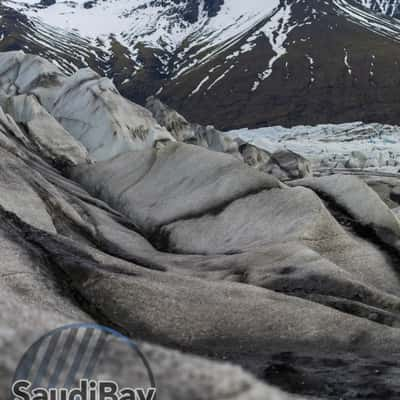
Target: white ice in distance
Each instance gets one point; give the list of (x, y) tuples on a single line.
[(332, 144)]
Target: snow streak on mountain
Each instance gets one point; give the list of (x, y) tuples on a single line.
[(227, 62), (387, 7), (190, 31)]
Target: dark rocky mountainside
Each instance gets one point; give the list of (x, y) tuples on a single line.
[(334, 70), (228, 63), (108, 216)]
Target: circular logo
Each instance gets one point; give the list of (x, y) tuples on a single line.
[(83, 362)]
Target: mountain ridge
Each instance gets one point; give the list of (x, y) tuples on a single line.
[(228, 63)]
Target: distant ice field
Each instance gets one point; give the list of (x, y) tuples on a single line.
[(332, 145)]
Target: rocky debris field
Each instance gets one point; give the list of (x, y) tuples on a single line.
[(231, 279)]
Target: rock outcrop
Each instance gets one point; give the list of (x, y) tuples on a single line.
[(183, 131), (189, 249), (253, 155), (287, 165)]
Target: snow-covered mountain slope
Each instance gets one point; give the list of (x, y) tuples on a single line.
[(174, 28), (159, 24), (227, 62), (387, 7)]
